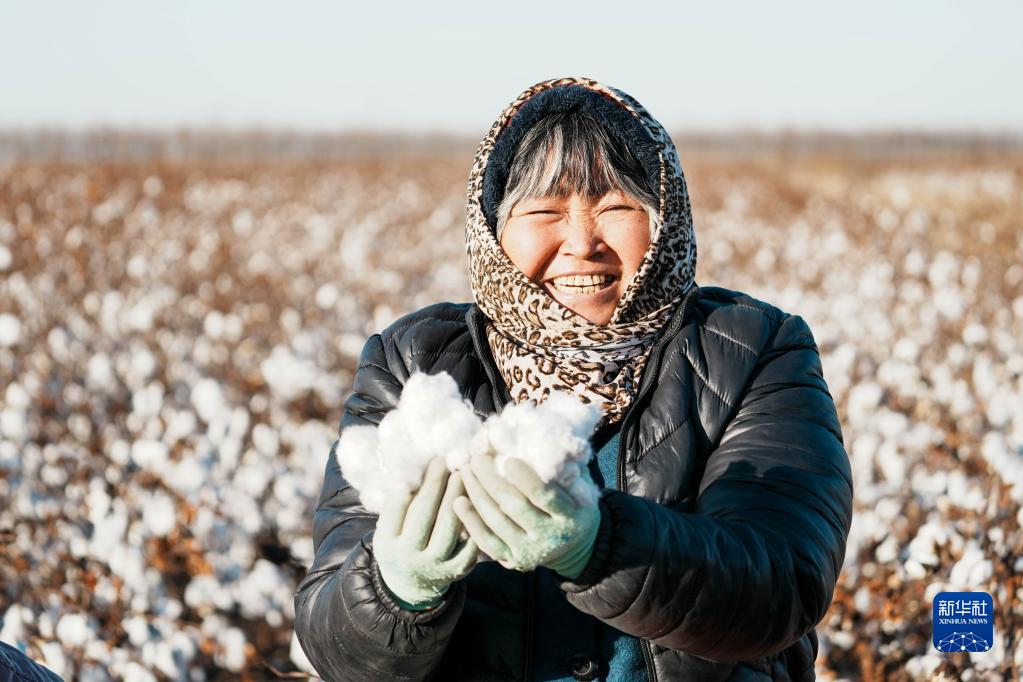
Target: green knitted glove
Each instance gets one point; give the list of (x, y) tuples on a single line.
[(523, 522), (416, 541)]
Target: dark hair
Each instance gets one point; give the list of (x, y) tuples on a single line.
[(571, 152)]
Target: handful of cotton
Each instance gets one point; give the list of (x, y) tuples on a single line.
[(553, 438), (432, 419)]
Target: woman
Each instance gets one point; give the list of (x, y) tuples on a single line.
[(726, 500)]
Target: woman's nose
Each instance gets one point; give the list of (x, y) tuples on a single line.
[(582, 239)]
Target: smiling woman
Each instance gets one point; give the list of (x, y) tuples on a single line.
[(726, 494)]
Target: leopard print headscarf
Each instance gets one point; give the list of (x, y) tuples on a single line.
[(541, 346)]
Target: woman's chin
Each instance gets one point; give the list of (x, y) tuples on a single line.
[(597, 307)]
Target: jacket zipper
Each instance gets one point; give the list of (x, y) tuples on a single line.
[(648, 373), (646, 379), (501, 397), (527, 668)]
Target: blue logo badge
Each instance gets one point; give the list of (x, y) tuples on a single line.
[(963, 621)]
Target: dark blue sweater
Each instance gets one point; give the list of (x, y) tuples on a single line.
[(563, 633)]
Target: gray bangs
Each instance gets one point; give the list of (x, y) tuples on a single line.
[(569, 153)]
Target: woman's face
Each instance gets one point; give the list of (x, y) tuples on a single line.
[(582, 251)]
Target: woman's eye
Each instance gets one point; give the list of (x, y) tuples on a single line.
[(533, 214)]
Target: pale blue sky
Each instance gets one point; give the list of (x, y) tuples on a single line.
[(933, 64)]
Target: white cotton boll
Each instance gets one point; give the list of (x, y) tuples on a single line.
[(13, 425), (74, 629), (552, 438), (137, 629), (137, 673), (972, 570), (479, 445), (15, 621), (922, 667), (356, 453), (265, 439), (149, 454), (439, 420), (188, 476), (10, 329), (358, 458), (887, 551), (54, 658), (231, 653), (452, 433), (581, 417), (100, 372), (399, 454), (17, 397), (546, 437), (207, 399), (431, 419), (424, 394), (160, 515)]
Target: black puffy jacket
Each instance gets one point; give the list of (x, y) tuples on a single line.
[(720, 546), (17, 667)]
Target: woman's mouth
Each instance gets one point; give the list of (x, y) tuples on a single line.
[(582, 284)]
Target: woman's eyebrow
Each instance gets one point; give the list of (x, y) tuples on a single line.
[(611, 203)]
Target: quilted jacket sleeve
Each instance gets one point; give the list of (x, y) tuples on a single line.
[(753, 567), (17, 667), (345, 620)]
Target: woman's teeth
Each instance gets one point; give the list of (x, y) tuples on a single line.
[(582, 284)]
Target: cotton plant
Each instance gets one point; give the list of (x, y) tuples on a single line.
[(433, 420)]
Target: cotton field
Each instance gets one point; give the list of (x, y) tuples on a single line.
[(177, 340)]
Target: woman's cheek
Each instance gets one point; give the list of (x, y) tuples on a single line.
[(530, 249), (630, 239)]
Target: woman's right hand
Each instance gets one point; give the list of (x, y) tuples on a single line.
[(417, 540)]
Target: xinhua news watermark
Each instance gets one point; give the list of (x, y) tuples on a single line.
[(963, 621)]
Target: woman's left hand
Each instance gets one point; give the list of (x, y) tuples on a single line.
[(524, 522)]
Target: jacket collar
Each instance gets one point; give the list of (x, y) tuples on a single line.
[(475, 318)]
